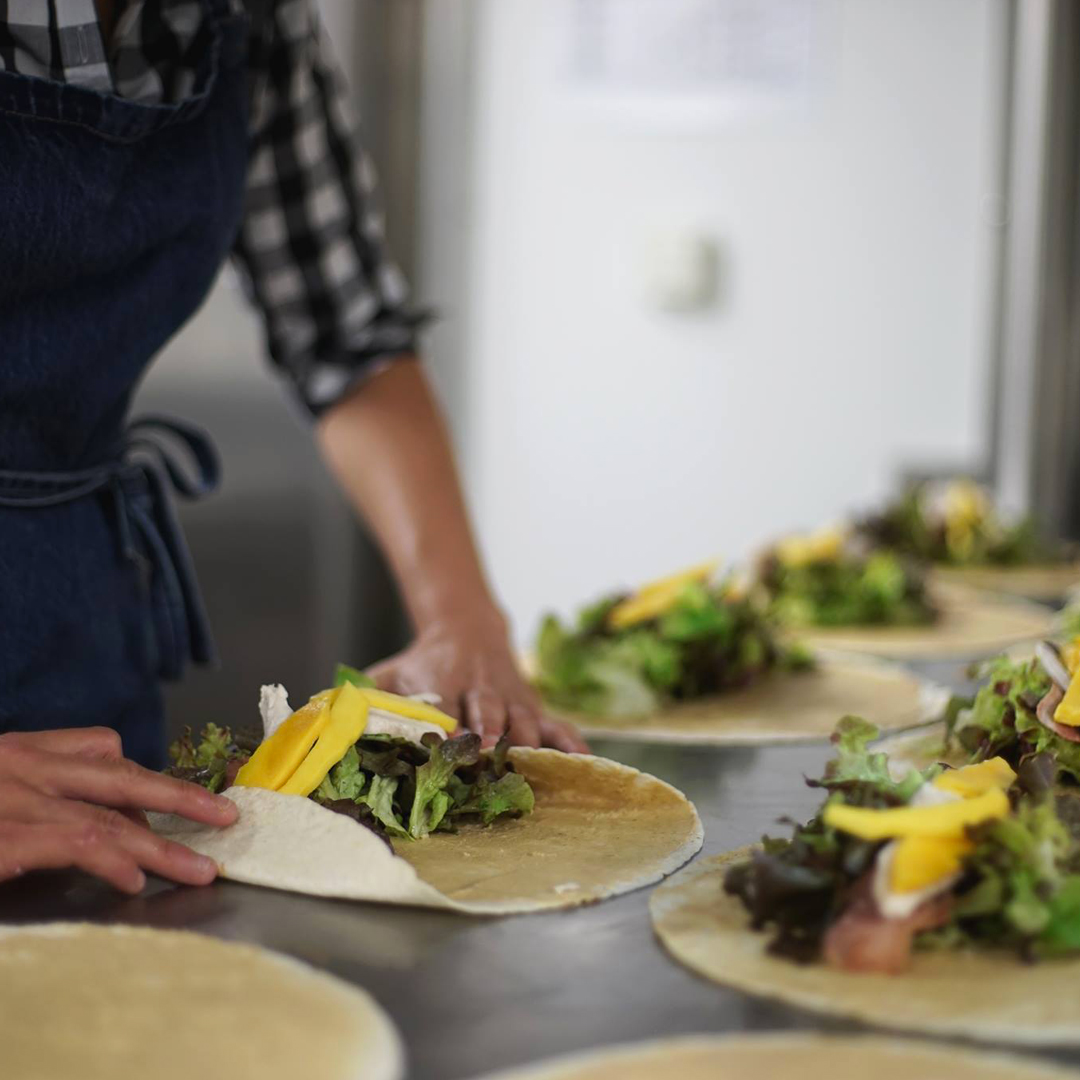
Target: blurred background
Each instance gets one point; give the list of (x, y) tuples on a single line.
[(705, 270)]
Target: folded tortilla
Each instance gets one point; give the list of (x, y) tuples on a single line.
[(1047, 582), (971, 624), (992, 996), (599, 829), (787, 1056), (784, 706), (125, 1003)]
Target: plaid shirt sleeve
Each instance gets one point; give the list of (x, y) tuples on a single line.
[(311, 246)]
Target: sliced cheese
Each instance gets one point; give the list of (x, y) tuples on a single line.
[(408, 707), (1068, 711), (348, 718), (973, 780), (279, 756), (950, 819)]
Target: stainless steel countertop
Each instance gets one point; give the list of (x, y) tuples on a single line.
[(471, 995)]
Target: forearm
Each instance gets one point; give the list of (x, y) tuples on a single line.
[(389, 448)]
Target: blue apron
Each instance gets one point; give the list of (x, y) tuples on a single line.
[(114, 219)]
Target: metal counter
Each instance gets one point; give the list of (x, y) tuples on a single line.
[(470, 995)]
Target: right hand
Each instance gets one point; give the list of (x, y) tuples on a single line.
[(71, 799)]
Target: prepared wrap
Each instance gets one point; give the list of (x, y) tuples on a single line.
[(940, 899), (124, 1003), (515, 830), (789, 1056), (784, 706), (698, 659)]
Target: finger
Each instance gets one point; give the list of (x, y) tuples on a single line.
[(484, 712), (54, 847), (123, 784), (562, 736), (524, 726), (90, 742), (24, 804), (152, 852)]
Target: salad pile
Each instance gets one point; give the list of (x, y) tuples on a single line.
[(982, 856), (681, 638), (957, 523), (832, 578), (394, 765)]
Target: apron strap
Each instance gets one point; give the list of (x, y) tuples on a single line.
[(150, 534)]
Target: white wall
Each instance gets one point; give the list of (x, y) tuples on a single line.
[(605, 442)]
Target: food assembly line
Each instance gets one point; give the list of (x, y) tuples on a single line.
[(780, 856)]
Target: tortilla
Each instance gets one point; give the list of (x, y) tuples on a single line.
[(1048, 582), (784, 706), (124, 1003), (992, 996), (787, 1056), (599, 829), (971, 624)]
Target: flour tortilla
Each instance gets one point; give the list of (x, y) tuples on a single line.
[(599, 829), (1047, 582), (125, 1003), (785, 706), (788, 1056), (991, 996), (971, 624)]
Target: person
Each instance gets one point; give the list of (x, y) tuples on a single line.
[(142, 143)]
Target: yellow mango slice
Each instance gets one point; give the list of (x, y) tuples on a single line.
[(652, 600), (348, 718), (1070, 656), (278, 757), (821, 546), (921, 861), (945, 820), (1068, 711), (411, 710), (972, 780)]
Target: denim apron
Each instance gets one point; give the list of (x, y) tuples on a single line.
[(114, 219)]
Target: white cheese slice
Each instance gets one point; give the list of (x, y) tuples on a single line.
[(273, 708)]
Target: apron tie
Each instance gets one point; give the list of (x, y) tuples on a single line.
[(150, 535)]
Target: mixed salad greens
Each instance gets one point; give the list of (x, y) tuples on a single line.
[(397, 787), (1002, 720), (957, 523), (832, 578), (977, 857), (681, 638)]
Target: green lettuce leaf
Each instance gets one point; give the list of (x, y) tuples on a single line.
[(345, 674), (431, 801), (510, 794), (380, 798)]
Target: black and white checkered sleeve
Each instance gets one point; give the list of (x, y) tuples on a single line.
[(311, 245)]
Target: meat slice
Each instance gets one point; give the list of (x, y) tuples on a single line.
[(863, 940)]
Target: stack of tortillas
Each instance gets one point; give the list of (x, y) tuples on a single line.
[(119, 1003), (599, 829), (785, 1057), (783, 706), (991, 995)]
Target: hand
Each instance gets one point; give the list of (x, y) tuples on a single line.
[(71, 799), (472, 668)]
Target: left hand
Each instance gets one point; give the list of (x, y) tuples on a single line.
[(472, 668)]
